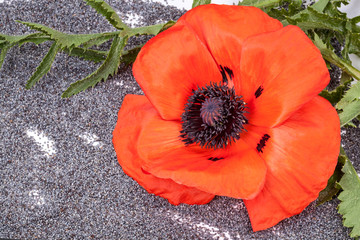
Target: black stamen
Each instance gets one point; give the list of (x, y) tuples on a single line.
[(259, 91), (262, 142), (214, 159), (223, 72), (213, 117)]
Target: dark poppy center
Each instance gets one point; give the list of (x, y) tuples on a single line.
[(213, 117)]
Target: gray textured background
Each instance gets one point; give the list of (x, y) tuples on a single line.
[(70, 185)]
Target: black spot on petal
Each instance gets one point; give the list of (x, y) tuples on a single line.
[(226, 73), (262, 142), (259, 91), (214, 159)]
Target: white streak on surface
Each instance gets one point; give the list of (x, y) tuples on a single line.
[(187, 4), (134, 20), (91, 139), (215, 232), (42, 141), (35, 194)]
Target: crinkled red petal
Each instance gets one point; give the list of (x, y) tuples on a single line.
[(237, 171), (223, 29), (134, 113), (280, 71), (170, 66), (301, 155)]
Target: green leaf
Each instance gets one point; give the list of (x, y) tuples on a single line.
[(37, 40), (129, 56), (312, 19), (332, 187), (320, 5), (354, 46), (267, 3), (148, 30), (12, 40), (167, 25), (334, 96), (200, 2), (330, 56), (350, 104), (109, 67), (350, 111), (87, 54), (108, 12), (293, 8), (104, 37), (2, 43), (350, 199), (64, 40), (3, 54), (352, 94), (44, 66)]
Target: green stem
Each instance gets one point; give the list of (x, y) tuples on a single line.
[(333, 58), (267, 3)]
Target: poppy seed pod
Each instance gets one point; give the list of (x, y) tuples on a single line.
[(231, 108)]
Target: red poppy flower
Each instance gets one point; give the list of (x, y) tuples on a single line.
[(231, 109)]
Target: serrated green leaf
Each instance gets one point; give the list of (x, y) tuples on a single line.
[(350, 199), (350, 104), (320, 5), (101, 39), (354, 43), (330, 56), (332, 187), (350, 111), (3, 54), (281, 13), (109, 67), (63, 40), (334, 96), (312, 19), (148, 30), (87, 54), (12, 40), (259, 3), (200, 2), (129, 56), (44, 66), (167, 25), (37, 40), (108, 12), (268, 3), (352, 94)]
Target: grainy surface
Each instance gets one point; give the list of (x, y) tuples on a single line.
[(59, 174)]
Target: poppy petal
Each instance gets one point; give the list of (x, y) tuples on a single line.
[(237, 172), (280, 71), (301, 155), (223, 29), (134, 111), (170, 66)]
